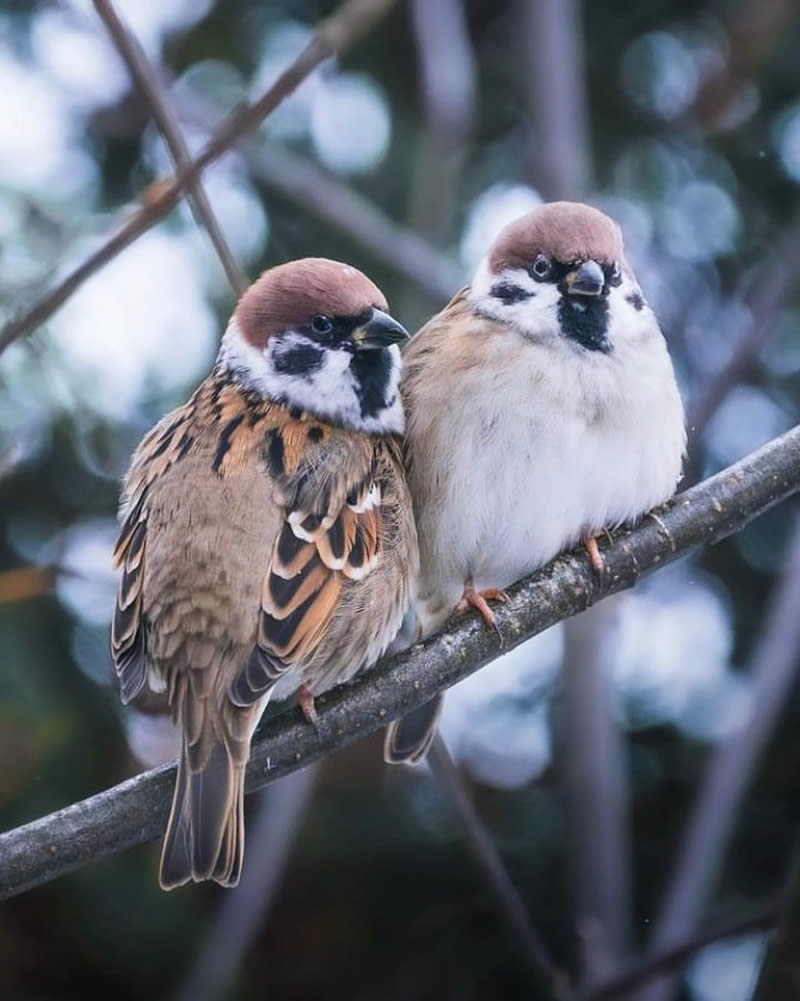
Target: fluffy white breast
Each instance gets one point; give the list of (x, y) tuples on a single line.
[(539, 444)]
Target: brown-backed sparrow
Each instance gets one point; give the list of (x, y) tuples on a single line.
[(541, 408), (268, 545)]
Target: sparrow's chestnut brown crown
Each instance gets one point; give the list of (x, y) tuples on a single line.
[(292, 295), (567, 232), (314, 334)]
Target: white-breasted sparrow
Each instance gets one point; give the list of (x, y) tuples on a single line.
[(268, 545), (541, 407)]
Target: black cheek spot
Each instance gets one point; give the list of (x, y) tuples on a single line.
[(275, 453), (636, 301), (508, 293), (315, 434), (301, 360)]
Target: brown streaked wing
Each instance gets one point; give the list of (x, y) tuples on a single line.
[(314, 553)]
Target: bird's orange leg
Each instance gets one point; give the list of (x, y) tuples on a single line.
[(595, 557), (306, 702), (479, 600)]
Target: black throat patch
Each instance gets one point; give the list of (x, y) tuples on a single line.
[(584, 319), (372, 370)]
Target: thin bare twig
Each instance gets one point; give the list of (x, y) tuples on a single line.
[(509, 902), (136, 810), (773, 669), (313, 189), (271, 837), (335, 34), (146, 79), (24, 583), (676, 956)]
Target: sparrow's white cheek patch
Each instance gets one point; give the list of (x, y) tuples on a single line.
[(295, 370), (630, 318), (296, 355), (325, 388), (515, 299)]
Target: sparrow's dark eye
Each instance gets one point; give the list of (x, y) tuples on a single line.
[(542, 268), (615, 274), (321, 324)]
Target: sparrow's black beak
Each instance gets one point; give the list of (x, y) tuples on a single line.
[(380, 331), (588, 279)]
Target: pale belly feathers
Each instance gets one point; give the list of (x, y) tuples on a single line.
[(531, 468)]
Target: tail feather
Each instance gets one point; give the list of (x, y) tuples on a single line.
[(205, 830), (409, 738)]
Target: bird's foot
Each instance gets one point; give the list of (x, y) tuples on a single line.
[(306, 702), (479, 600), (595, 556)]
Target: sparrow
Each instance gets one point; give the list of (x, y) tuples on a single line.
[(267, 545), (541, 408)]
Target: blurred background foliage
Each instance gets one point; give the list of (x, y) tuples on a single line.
[(679, 117)]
